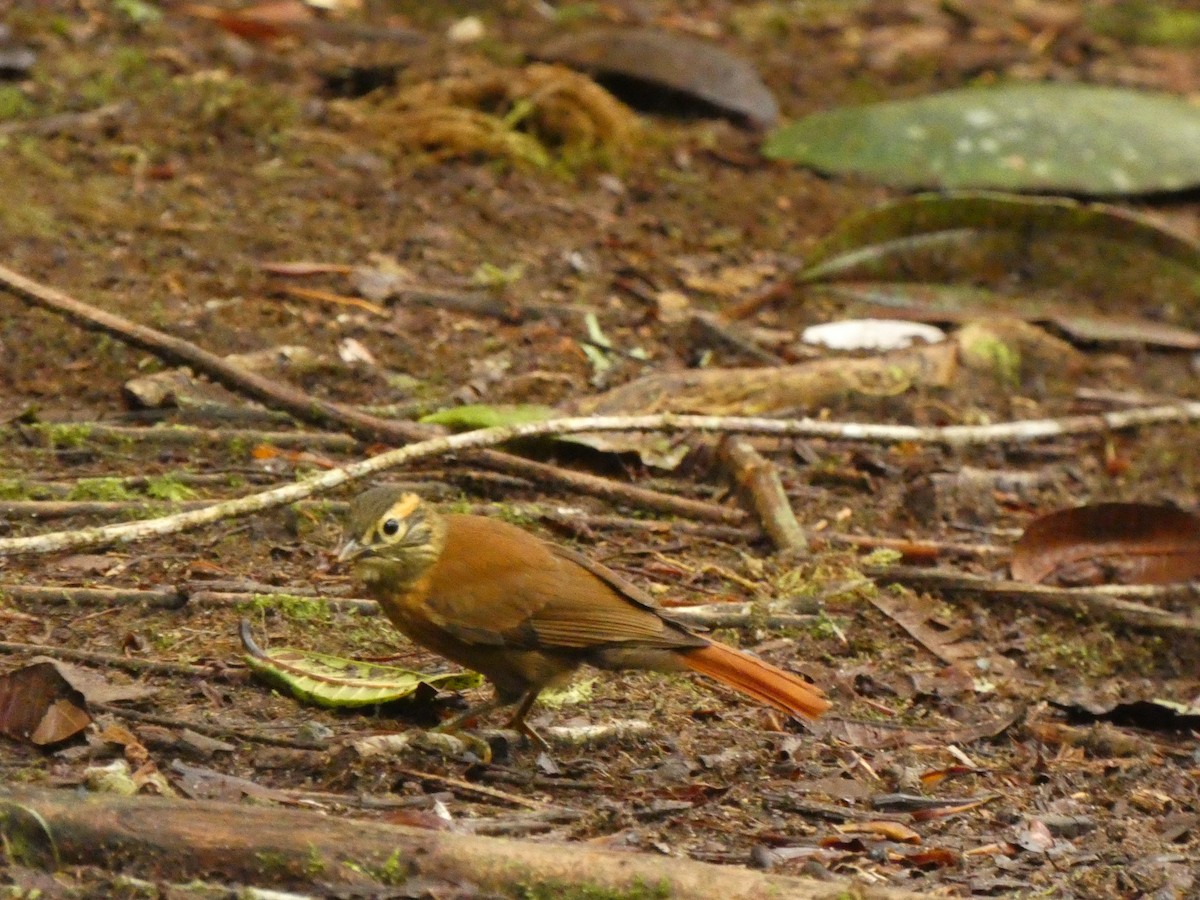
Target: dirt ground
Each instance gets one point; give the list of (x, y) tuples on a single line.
[(217, 155)]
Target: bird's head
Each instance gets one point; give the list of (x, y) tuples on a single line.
[(391, 537)]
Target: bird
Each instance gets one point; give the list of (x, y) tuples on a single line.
[(527, 613)]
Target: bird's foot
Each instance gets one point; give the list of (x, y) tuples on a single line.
[(523, 727)]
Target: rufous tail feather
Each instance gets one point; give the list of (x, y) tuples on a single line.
[(755, 678)]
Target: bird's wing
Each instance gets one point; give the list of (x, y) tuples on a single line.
[(495, 584)]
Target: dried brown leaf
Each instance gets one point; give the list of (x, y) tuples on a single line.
[(634, 58), (1109, 543), (38, 705)]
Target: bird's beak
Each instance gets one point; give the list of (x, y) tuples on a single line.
[(351, 549)]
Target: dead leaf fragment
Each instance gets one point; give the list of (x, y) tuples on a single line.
[(39, 706), (1109, 543), (95, 688), (644, 66), (891, 831)]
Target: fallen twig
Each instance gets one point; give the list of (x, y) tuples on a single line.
[(917, 550), (128, 663), (1076, 601), (759, 478), (62, 509), (579, 525), (170, 598), (486, 304), (213, 731), (665, 422), (741, 615), (193, 594), (190, 435)]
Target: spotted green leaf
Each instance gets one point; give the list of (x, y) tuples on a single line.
[(1060, 138), (335, 682)]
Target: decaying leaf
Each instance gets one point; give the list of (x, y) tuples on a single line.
[(1054, 137), (39, 706), (987, 238), (334, 682), (1109, 543), (645, 66), (1155, 715), (266, 21), (94, 687)]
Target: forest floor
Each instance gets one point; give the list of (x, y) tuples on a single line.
[(214, 155)]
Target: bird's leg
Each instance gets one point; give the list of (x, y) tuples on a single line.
[(481, 709), (518, 723)]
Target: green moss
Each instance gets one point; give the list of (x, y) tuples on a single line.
[(169, 487), (225, 107), (824, 628), (554, 890), (64, 435), (15, 489), (129, 72), (108, 489), (1093, 652), (14, 104), (393, 870), (315, 864), (271, 862), (289, 606)]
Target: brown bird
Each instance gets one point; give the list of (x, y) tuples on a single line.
[(526, 613)]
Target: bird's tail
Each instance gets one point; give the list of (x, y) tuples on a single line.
[(755, 678)]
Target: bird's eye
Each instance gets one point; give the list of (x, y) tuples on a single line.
[(390, 527)]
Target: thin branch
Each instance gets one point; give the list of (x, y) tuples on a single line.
[(128, 663), (168, 598), (213, 731), (485, 437), (1075, 601)]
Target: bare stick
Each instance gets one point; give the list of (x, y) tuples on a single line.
[(189, 435), (138, 835), (759, 478), (62, 509), (1075, 601), (170, 598), (128, 663), (213, 731), (618, 492), (665, 422), (579, 525), (913, 550)]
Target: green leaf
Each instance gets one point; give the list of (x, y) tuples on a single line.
[(481, 415), (1093, 249), (1024, 137), (334, 682)]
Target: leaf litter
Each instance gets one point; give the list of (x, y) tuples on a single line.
[(253, 146)]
